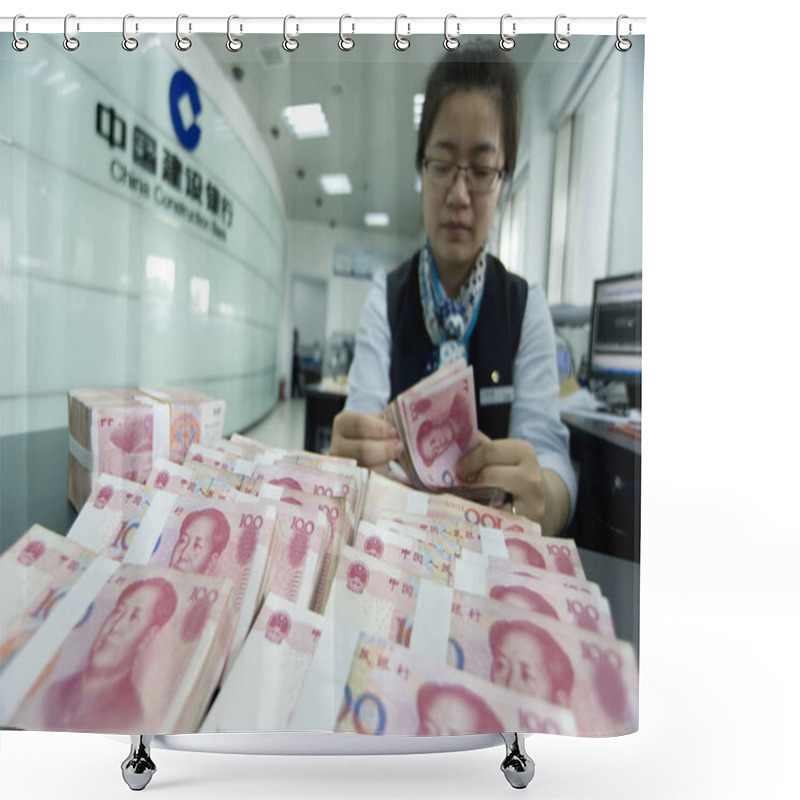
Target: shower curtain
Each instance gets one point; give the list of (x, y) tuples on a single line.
[(161, 210)]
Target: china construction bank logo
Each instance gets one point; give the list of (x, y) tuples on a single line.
[(184, 108)]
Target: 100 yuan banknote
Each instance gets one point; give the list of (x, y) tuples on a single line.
[(262, 688), (125, 438), (372, 596), (307, 479), (36, 573), (416, 555), (129, 649), (167, 476), (110, 518), (542, 552), (210, 537), (393, 691), (440, 426), (386, 496), (550, 598), (592, 675)]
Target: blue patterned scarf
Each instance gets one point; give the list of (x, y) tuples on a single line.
[(449, 322)]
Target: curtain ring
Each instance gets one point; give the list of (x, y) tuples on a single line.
[(561, 44), (623, 45), (344, 42), (399, 42), (183, 43), (506, 42), (233, 44), (451, 42), (19, 44), (128, 42), (289, 44), (70, 42)]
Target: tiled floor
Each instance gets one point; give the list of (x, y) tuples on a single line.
[(284, 426)]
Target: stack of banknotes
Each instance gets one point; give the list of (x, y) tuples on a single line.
[(437, 422), (119, 431), (255, 589)]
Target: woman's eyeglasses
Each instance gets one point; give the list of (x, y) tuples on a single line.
[(480, 180)]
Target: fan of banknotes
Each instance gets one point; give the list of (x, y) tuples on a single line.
[(256, 589), (437, 422)]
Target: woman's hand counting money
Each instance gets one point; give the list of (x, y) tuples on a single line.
[(538, 494), (368, 438)]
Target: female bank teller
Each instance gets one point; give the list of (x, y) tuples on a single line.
[(453, 299)]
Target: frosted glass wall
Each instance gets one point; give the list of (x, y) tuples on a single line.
[(141, 242)]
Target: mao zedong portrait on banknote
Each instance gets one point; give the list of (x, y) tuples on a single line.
[(527, 659), (436, 436), (102, 695), (523, 597), (445, 709), (203, 536)]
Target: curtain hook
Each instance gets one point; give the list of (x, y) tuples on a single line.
[(401, 43), (561, 44), (128, 42), (233, 44), (506, 42), (451, 42), (70, 42), (344, 42), (183, 43), (19, 44), (623, 45), (289, 44)]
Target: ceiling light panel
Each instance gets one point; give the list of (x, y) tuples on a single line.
[(376, 219), (306, 121), (336, 184)]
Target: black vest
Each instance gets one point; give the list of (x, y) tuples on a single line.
[(491, 348)]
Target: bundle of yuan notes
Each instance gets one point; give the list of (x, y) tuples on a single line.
[(119, 431), (437, 422), (257, 589)]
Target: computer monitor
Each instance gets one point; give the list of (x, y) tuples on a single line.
[(615, 345)]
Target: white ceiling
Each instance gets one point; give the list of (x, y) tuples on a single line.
[(367, 96)]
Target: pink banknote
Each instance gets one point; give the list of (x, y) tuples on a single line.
[(220, 459), (125, 438), (418, 556), (592, 675), (238, 449), (372, 596), (261, 690), (393, 691), (193, 417), (357, 476), (110, 518), (254, 447), (36, 572), (144, 656), (170, 477), (241, 482), (300, 552), (307, 479), (384, 495), (501, 569), (313, 529), (554, 600), (542, 552), (211, 537), (440, 425)]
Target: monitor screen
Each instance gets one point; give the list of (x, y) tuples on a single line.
[(615, 351)]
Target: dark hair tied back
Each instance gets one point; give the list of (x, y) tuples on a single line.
[(475, 65)]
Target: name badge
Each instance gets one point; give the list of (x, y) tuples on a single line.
[(496, 395)]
